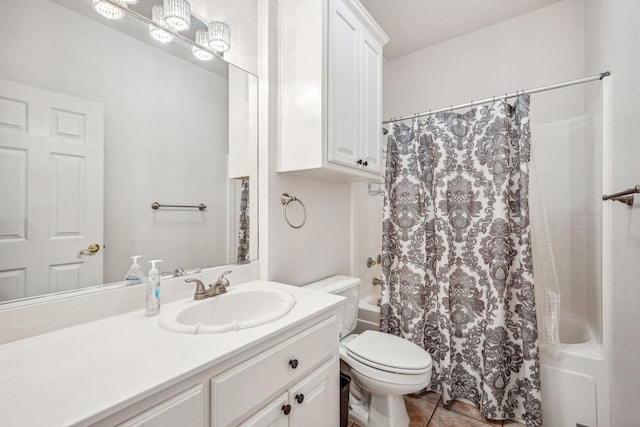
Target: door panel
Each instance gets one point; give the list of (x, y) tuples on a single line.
[(51, 191)]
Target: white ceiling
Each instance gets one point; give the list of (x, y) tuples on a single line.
[(416, 24)]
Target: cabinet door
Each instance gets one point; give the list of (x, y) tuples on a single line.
[(184, 409), (272, 415), (344, 85), (371, 102), (315, 400)]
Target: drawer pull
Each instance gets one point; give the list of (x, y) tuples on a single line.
[(300, 398), (366, 163), (286, 409), (293, 363), (359, 161)]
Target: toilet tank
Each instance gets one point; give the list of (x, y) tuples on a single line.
[(347, 287)]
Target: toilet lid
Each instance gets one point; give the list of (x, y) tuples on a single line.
[(389, 353)]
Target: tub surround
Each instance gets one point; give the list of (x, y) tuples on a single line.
[(82, 374)]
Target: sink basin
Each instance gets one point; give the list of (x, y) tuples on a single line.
[(231, 311)]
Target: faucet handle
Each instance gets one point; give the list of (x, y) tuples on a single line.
[(200, 291), (221, 280)]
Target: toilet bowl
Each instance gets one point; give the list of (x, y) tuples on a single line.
[(383, 367)]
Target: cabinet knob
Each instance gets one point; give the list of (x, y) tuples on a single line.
[(286, 409), (359, 161), (293, 363), (365, 163), (300, 398)]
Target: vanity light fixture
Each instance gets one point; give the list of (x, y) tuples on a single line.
[(157, 31), (177, 14), (202, 39), (219, 36), (108, 10)]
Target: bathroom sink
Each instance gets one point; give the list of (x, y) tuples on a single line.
[(231, 311)]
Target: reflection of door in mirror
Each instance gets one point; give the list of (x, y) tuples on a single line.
[(51, 200)]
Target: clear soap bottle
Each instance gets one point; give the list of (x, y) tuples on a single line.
[(153, 289), (135, 276)]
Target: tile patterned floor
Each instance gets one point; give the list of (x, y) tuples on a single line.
[(426, 409)]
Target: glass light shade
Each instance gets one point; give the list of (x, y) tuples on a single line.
[(109, 11), (202, 39), (177, 14), (219, 36), (156, 31)]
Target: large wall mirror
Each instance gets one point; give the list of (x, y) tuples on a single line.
[(97, 122)]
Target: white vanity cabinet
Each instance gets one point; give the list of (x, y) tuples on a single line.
[(127, 370), (292, 381), (309, 403), (183, 409), (330, 89)]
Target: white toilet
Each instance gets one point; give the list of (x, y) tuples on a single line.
[(383, 367)]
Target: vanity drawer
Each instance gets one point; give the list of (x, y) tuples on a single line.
[(243, 389)]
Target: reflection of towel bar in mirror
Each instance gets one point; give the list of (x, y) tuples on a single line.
[(625, 196), (156, 205)]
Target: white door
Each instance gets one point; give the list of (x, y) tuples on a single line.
[(344, 86), (314, 401), (371, 102), (274, 414), (51, 191)]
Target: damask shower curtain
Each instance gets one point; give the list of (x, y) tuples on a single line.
[(457, 263)]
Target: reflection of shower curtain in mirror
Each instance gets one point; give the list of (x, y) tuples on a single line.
[(457, 263), (243, 234)]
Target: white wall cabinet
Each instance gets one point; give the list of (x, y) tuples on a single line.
[(330, 89)]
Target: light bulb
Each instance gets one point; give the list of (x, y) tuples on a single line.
[(177, 14), (108, 10), (219, 36), (157, 31), (202, 39)]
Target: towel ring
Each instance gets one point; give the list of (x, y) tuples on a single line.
[(285, 199)]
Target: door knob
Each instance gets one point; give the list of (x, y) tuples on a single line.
[(92, 249), (300, 398), (286, 409), (293, 363)]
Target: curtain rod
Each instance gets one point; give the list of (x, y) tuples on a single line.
[(506, 96)]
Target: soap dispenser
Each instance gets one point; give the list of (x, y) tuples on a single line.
[(153, 289), (134, 276)]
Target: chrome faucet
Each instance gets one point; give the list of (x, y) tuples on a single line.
[(218, 287)]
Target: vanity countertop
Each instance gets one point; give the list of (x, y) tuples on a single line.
[(81, 374)]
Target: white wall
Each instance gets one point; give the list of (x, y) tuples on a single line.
[(612, 40), (536, 49), (157, 109)]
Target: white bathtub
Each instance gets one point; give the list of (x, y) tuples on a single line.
[(368, 311), (575, 386)]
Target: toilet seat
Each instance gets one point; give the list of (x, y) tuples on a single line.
[(388, 353)]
